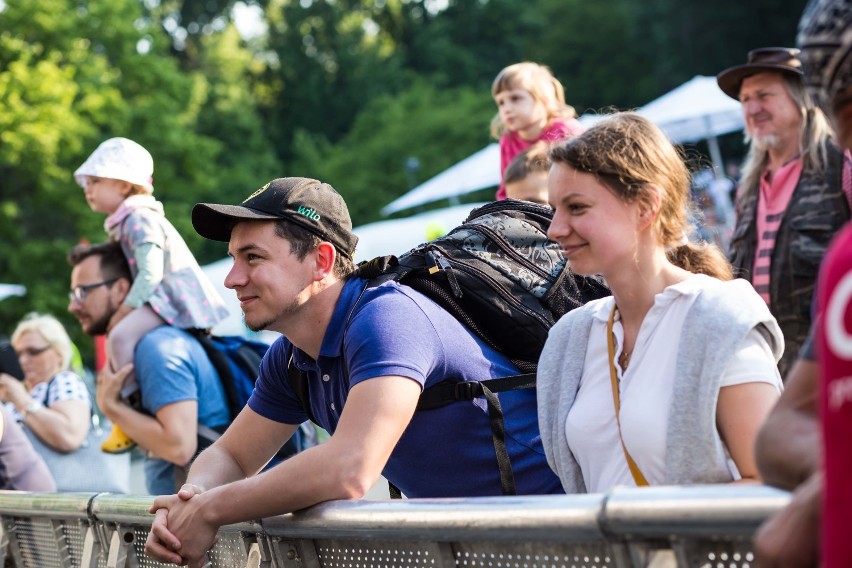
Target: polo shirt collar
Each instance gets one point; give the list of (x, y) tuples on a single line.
[(332, 341)]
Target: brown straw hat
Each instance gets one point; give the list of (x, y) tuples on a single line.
[(781, 59)]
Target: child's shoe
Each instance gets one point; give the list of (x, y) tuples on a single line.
[(118, 442)]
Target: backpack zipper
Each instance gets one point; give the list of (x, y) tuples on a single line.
[(506, 294), (510, 250)]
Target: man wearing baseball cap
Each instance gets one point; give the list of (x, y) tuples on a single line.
[(367, 352), (791, 200), (789, 450)]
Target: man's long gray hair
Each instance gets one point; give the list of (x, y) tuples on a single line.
[(815, 134)]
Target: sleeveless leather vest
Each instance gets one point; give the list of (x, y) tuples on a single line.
[(817, 210)]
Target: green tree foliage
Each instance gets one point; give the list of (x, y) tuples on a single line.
[(467, 43), (438, 127), (330, 61), (682, 39), (73, 74), (587, 46)]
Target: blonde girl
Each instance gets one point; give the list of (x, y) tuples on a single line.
[(168, 285), (530, 108), (668, 380)]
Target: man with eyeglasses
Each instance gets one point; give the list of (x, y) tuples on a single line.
[(178, 383), (79, 293)]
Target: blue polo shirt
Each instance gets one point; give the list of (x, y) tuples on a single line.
[(172, 366), (394, 330)]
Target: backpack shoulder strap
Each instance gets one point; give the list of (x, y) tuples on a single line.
[(248, 359), (223, 368), (452, 391)]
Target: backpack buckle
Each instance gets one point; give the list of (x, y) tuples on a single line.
[(467, 390)]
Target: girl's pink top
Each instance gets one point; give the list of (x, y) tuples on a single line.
[(511, 144)]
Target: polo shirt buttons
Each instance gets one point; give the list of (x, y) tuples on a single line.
[(332, 406), (326, 378)]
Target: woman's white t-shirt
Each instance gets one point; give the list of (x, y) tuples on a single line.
[(646, 389)]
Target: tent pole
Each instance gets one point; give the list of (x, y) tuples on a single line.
[(715, 153)]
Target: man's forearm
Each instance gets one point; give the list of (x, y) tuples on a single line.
[(214, 467), (148, 432), (313, 476), (788, 448)]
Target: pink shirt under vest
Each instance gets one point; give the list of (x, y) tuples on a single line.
[(772, 202), (775, 194)]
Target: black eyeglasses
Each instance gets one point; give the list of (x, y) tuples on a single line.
[(32, 351), (79, 293)]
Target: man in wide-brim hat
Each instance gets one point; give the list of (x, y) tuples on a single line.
[(791, 200)]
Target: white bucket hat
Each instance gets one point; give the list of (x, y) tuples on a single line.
[(119, 158)]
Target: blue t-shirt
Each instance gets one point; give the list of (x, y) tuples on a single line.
[(171, 366), (394, 330)]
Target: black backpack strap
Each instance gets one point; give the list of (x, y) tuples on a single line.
[(394, 491), (447, 392), (223, 368), (248, 359), (451, 391), (498, 438)]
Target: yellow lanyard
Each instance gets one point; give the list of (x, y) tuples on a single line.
[(610, 343)]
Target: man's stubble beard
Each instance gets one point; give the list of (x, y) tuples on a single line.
[(268, 324), (99, 327)]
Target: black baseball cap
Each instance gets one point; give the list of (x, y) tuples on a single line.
[(313, 205)]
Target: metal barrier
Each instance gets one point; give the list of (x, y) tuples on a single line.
[(696, 526)]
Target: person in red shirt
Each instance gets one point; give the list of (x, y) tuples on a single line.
[(789, 447), (530, 108)]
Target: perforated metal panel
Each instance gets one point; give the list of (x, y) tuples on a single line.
[(377, 554), (139, 536), (413, 554), (37, 542), (537, 555), (708, 554), (75, 534), (229, 552)]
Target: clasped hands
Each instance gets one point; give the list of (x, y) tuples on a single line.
[(179, 533)]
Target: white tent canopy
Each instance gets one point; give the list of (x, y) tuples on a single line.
[(696, 110), (7, 290), (475, 172), (394, 236)]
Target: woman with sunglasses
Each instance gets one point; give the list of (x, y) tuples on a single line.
[(52, 402)]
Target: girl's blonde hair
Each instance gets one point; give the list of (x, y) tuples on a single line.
[(630, 156), (539, 82), (51, 331), (136, 189)]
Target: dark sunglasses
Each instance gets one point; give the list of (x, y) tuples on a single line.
[(79, 293)]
